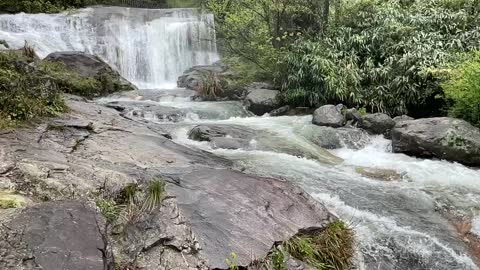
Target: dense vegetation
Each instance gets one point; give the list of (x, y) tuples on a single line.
[(375, 54), (25, 93), (31, 88)]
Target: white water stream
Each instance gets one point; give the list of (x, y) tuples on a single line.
[(398, 224)]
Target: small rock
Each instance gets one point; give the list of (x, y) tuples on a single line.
[(328, 115)]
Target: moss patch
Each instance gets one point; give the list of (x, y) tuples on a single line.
[(8, 199)]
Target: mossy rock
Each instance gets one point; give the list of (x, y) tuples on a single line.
[(8, 199)]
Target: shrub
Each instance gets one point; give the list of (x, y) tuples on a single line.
[(377, 54), (25, 93), (463, 89)]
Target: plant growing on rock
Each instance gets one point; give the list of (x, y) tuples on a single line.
[(330, 249), (25, 92)]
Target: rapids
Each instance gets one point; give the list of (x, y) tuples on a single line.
[(398, 224)]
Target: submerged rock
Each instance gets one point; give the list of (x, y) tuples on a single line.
[(380, 174), (223, 136), (261, 99), (377, 123), (88, 65), (328, 115), (54, 236), (334, 138), (444, 138), (280, 111), (150, 111)]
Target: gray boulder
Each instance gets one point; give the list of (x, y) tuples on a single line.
[(328, 115), (88, 65), (54, 236), (334, 138), (261, 99), (377, 123), (443, 138), (195, 78)]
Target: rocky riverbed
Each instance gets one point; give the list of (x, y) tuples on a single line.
[(61, 165)]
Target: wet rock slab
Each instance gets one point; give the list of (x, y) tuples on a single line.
[(234, 212), (54, 236)]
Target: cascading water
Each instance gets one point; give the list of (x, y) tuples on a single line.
[(398, 224), (151, 48)]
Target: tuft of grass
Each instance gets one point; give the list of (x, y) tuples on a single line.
[(128, 195), (330, 249), (155, 194), (109, 210), (7, 204)]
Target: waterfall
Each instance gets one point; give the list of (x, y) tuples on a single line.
[(149, 47)]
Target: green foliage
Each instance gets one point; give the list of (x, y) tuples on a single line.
[(258, 30), (155, 194), (70, 81), (109, 210), (463, 89), (25, 93), (380, 53), (232, 262), (128, 195), (277, 259), (331, 249)]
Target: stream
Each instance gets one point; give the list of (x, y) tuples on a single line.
[(398, 224)]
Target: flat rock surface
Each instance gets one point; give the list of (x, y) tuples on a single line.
[(234, 212), (54, 236)]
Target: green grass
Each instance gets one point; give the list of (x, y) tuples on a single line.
[(330, 249), (155, 194)]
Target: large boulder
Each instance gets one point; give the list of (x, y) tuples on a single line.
[(443, 137), (328, 115), (198, 77), (377, 123), (261, 99), (54, 236), (88, 65)]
